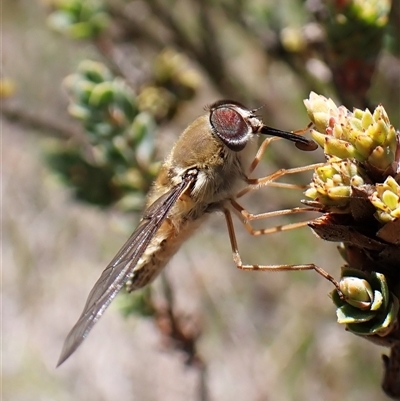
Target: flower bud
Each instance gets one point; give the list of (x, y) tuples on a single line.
[(386, 200), (366, 306), (357, 292)]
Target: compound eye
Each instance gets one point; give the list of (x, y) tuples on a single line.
[(230, 127)]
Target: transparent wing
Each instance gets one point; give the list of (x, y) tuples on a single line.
[(118, 271)]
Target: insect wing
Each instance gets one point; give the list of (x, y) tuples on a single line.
[(120, 268)]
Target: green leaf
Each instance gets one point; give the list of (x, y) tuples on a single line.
[(378, 300), (102, 94), (94, 71), (350, 314), (378, 281)]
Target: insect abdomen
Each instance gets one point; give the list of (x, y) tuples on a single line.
[(162, 247)]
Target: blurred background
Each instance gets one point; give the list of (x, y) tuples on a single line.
[(70, 202)]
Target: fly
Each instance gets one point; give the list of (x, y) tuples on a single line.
[(207, 170)]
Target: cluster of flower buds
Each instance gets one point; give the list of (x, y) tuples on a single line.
[(78, 19), (358, 191), (366, 137), (367, 307), (332, 182), (364, 142)]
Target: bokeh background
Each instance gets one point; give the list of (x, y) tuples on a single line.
[(263, 336)]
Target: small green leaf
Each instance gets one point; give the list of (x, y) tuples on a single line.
[(378, 300), (378, 281), (94, 71), (102, 94), (349, 314), (79, 112)]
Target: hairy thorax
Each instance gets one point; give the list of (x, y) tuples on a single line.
[(220, 174)]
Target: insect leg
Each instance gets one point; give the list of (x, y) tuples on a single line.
[(255, 183), (285, 185), (238, 260), (245, 217), (260, 153)]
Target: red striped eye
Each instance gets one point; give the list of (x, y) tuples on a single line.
[(230, 126)]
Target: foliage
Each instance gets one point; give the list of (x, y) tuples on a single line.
[(120, 128), (79, 19)]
